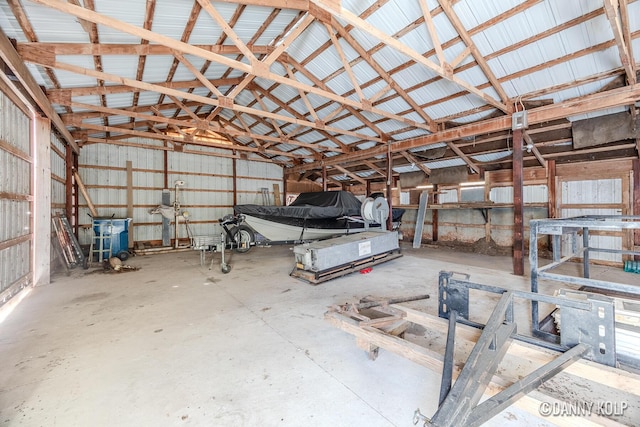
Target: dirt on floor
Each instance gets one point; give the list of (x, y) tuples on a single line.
[(480, 246)]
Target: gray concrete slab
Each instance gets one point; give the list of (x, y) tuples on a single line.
[(175, 343)]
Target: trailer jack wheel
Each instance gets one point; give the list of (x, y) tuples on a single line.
[(226, 268)]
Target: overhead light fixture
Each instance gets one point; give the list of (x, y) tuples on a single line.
[(472, 184)]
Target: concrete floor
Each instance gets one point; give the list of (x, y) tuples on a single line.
[(177, 344)]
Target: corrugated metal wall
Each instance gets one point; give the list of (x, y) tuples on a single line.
[(582, 198), (207, 194), (15, 198)]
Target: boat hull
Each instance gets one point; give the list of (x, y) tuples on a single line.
[(281, 231)]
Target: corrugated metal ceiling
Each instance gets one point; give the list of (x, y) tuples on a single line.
[(399, 91)]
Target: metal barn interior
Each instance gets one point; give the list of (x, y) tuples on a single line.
[(506, 131)]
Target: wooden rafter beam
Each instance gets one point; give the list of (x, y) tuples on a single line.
[(352, 111), (342, 31), (142, 59), (374, 168), (412, 159), (279, 4), (463, 156), (534, 149), (231, 34), (259, 69), (433, 33), (466, 38), (246, 128), (143, 49), (198, 75), (60, 96), (10, 57), (345, 63), (76, 120), (275, 125), (30, 34), (118, 142), (190, 96), (303, 95), (611, 11), (366, 27), (189, 139), (586, 104), (184, 108), (350, 174), (320, 126)]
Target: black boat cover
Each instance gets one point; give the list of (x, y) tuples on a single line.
[(318, 205)]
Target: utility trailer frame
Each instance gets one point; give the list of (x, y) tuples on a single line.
[(492, 341)]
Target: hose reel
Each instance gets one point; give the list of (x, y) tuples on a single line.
[(375, 210)]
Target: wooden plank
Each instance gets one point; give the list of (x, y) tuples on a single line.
[(15, 241), (518, 204), (601, 374), (83, 190), (422, 210), (434, 361), (276, 195), (130, 200)]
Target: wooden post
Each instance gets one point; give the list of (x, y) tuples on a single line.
[(551, 185), (552, 209), (68, 184), (234, 166), (165, 166), (636, 203), (368, 188), (284, 188), (434, 215), (389, 183), (276, 195), (76, 201), (518, 204), (130, 200), (324, 178), (41, 205)]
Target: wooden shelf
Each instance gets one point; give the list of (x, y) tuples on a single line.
[(472, 205)]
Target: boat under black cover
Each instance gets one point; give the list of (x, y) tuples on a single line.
[(311, 216)]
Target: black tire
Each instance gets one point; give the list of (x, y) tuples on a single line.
[(243, 238), (123, 255), (226, 268)]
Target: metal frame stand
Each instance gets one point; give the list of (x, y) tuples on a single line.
[(573, 226), (586, 330)]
